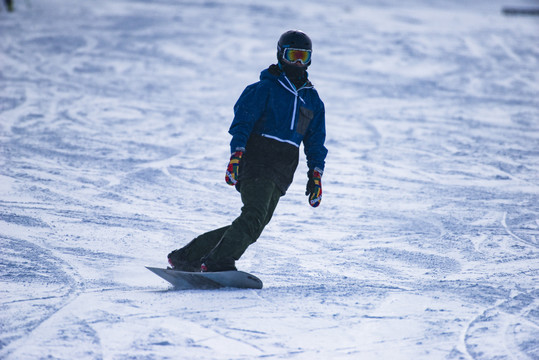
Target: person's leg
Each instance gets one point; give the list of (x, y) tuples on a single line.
[(271, 208), (188, 257), (259, 197)]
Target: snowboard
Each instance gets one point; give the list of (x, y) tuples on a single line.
[(208, 280)]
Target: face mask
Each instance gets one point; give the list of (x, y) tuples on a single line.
[(293, 72)]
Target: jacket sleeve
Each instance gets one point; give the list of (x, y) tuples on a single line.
[(314, 139), (248, 109)]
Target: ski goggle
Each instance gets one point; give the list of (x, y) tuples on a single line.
[(294, 55)]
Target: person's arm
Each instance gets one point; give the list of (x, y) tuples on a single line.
[(316, 153), (248, 109)]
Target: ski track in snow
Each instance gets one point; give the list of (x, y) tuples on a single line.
[(113, 133)]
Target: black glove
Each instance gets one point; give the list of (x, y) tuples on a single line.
[(233, 168), (314, 187)]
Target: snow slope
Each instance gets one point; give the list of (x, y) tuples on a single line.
[(113, 133)]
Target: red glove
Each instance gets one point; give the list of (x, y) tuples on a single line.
[(314, 188), (233, 168)]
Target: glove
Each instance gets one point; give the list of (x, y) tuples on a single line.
[(314, 188), (233, 168)]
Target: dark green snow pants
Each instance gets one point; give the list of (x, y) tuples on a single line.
[(259, 197)]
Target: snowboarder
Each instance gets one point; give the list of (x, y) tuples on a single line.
[(271, 119)]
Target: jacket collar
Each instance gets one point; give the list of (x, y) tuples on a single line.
[(276, 74)]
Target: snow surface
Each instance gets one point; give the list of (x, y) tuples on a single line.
[(113, 133)]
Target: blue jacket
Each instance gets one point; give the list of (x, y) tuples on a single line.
[(274, 109)]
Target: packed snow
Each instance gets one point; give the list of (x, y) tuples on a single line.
[(113, 130)]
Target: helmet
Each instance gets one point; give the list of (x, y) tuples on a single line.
[(296, 39)]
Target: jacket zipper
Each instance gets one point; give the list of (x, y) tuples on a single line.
[(293, 90)]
